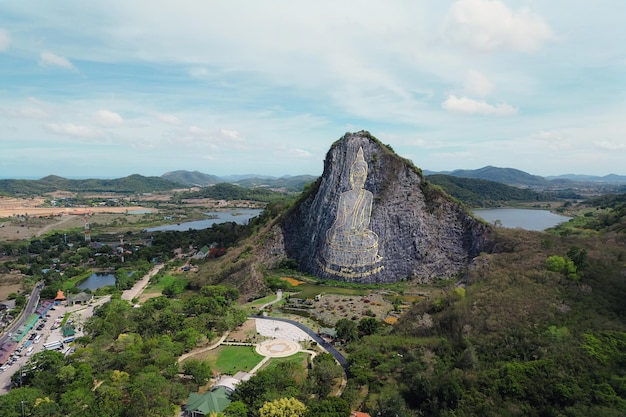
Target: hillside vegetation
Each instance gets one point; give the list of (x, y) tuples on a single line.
[(485, 193), (525, 336), (130, 184), (226, 191)]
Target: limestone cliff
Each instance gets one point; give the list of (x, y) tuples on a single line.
[(372, 217)]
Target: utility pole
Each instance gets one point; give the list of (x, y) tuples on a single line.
[(22, 402)]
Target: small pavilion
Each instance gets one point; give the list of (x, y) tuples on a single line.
[(59, 298)]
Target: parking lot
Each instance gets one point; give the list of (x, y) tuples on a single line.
[(46, 333)]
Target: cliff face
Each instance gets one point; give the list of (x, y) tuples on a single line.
[(371, 217)]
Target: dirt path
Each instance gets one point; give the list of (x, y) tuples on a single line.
[(53, 225), (141, 284)]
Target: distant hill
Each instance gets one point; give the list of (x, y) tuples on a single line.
[(227, 191), (286, 183), (476, 192), (131, 184), (192, 178), (517, 178), (611, 178), (508, 176)]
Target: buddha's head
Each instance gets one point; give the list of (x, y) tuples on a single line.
[(358, 171)]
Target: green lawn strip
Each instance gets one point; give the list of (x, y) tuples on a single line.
[(300, 358), (232, 359), (74, 281), (66, 317), (261, 301), (158, 287)]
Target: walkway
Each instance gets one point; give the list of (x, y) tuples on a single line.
[(141, 284), (279, 296)]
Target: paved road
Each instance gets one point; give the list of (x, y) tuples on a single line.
[(323, 343), (27, 311)]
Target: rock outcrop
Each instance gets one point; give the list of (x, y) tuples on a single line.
[(372, 217)]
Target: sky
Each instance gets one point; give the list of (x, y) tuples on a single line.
[(105, 89)]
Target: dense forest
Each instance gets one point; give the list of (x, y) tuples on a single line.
[(130, 184), (484, 193), (226, 191)]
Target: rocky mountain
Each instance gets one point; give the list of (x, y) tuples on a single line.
[(372, 217)]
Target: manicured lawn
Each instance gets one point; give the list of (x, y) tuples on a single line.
[(232, 359), (300, 358), (311, 290)]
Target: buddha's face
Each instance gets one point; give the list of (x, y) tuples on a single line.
[(357, 177)]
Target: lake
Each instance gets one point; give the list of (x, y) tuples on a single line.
[(527, 219), (97, 280), (240, 216)]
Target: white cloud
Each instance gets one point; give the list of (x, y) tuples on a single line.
[(426, 144), (299, 153), (5, 40), (32, 113), (108, 118), (465, 105), (198, 131), (487, 25), (199, 72), (610, 145), (70, 129), (221, 137), (169, 118), (48, 59), (477, 84), (231, 135)]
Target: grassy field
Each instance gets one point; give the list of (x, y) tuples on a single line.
[(311, 290), (158, 287), (232, 359), (300, 358)]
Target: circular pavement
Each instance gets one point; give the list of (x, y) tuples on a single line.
[(278, 348)]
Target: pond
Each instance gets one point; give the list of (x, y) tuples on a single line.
[(240, 216), (97, 280), (527, 219)]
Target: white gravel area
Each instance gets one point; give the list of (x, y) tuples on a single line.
[(280, 330)]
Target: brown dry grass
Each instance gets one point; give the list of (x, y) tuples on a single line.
[(294, 282), (10, 283), (243, 333), (42, 220)]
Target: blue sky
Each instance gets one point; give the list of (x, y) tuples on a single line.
[(108, 89)]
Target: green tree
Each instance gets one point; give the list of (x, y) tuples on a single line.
[(346, 330), (323, 374), (200, 371), (329, 407), (283, 407), (236, 409), (368, 326), (579, 257), (555, 263)]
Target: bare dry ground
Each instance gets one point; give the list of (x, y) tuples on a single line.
[(10, 283), (245, 333), (42, 220)]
